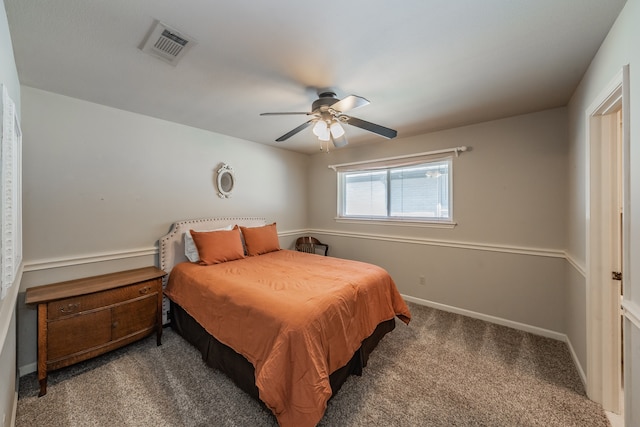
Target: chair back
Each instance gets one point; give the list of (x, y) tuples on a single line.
[(311, 245)]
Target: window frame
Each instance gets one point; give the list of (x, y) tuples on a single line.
[(389, 165), (11, 192)]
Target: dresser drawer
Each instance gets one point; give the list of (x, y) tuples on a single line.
[(134, 316), (72, 306), (69, 336)]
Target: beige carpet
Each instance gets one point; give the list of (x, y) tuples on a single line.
[(441, 370)]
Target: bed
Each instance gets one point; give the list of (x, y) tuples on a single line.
[(287, 327)]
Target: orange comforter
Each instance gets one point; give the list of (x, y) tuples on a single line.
[(296, 317)]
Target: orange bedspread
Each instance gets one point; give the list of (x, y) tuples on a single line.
[(296, 317)]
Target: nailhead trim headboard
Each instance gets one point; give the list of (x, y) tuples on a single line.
[(171, 245)]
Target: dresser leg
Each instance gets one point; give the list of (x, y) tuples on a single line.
[(43, 387), (42, 347)]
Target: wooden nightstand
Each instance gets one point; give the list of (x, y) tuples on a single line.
[(83, 318)]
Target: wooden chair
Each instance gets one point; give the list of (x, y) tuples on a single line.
[(311, 245)]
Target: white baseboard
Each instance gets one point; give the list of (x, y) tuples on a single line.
[(509, 323), (616, 420), (576, 362), (27, 369), (14, 412), (491, 319)]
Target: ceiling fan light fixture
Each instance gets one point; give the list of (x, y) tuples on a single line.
[(336, 130), (325, 136), (339, 141), (320, 128), (328, 119)]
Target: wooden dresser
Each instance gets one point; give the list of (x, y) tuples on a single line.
[(83, 318)]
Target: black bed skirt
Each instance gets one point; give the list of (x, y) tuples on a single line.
[(241, 371)]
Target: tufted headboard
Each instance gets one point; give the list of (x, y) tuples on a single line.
[(171, 245)]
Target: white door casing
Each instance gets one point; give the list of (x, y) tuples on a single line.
[(607, 171)]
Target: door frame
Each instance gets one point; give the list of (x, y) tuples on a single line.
[(604, 379)]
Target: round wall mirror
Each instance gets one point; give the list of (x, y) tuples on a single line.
[(225, 181)]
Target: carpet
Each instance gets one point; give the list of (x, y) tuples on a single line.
[(443, 369)]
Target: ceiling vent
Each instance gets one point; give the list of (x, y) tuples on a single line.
[(166, 43)]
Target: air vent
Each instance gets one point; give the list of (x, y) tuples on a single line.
[(166, 43)]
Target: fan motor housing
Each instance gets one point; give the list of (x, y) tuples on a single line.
[(326, 100)]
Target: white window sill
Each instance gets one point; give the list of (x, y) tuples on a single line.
[(398, 222)]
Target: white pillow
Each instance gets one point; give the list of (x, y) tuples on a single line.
[(190, 250)]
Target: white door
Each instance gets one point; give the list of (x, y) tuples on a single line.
[(617, 253)]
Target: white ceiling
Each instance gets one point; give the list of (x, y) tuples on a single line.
[(424, 64)]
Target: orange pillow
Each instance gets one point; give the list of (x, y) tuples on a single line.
[(260, 240), (215, 247)]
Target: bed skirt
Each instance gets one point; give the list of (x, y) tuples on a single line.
[(241, 371)]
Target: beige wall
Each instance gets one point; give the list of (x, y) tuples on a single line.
[(505, 257), (619, 48), (575, 313), (98, 179), (105, 183)]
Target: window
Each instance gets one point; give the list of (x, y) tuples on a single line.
[(10, 193), (419, 190)]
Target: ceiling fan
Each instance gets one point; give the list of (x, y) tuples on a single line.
[(328, 118)]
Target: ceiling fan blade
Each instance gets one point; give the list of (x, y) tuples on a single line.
[(294, 131), (285, 113), (349, 103), (371, 127)]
